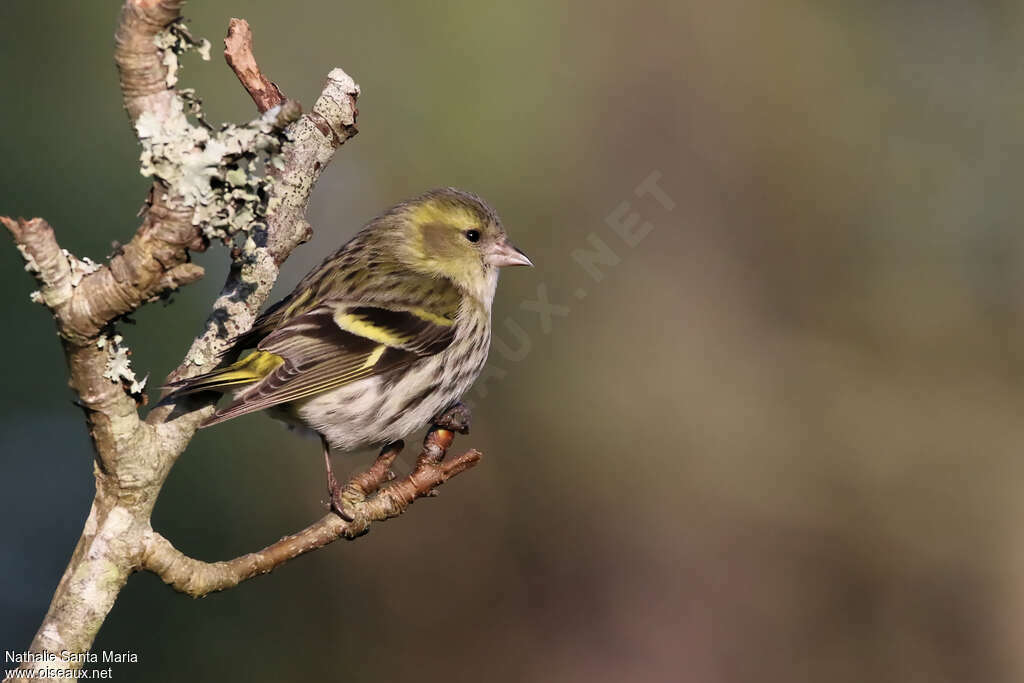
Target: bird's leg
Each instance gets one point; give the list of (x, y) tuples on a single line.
[(344, 499), (334, 489), (455, 419)]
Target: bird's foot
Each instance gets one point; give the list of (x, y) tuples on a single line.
[(455, 419), (345, 500), (342, 507), (339, 502)]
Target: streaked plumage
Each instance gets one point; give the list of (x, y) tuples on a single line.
[(386, 333)]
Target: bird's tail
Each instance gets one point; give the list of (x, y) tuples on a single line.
[(249, 370)]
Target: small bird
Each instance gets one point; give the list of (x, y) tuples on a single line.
[(382, 336)]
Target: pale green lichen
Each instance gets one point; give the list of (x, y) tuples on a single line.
[(119, 367), (30, 262), (80, 267), (219, 173), (176, 40), (31, 266)]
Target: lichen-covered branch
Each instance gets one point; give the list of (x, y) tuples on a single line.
[(373, 496), (145, 79), (247, 186), (43, 258)]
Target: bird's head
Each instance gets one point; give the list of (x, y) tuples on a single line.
[(454, 234)]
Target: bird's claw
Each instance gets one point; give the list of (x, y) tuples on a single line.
[(339, 505)]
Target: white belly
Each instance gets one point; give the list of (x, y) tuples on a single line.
[(380, 410)]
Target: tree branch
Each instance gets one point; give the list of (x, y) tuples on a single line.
[(153, 262), (43, 258), (85, 297), (247, 186), (239, 55), (145, 80), (371, 495)]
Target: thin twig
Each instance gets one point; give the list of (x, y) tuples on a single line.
[(238, 52)]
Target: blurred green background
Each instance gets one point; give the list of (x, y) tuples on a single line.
[(781, 439)]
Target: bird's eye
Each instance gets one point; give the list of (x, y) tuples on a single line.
[(473, 235)]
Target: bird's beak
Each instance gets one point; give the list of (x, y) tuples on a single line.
[(505, 254)]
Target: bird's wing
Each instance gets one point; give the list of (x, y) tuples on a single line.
[(296, 303), (325, 348)]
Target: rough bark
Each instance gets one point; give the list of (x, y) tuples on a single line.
[(186, 212)]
